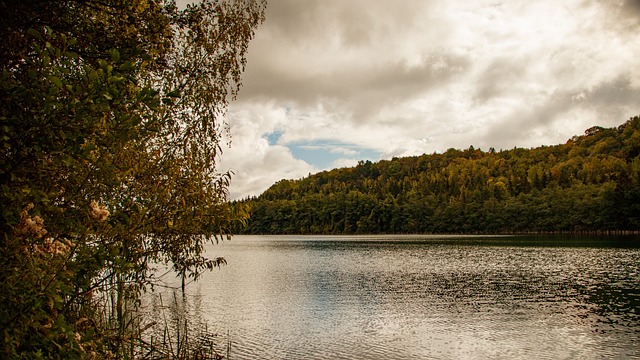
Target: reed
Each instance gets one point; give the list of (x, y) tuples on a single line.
[(175, 337), (160, 331)]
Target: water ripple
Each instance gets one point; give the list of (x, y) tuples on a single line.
[(334, 298)]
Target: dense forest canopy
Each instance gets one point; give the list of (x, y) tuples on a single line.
[(589, 183)]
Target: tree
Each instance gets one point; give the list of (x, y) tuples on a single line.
[(111, 121)]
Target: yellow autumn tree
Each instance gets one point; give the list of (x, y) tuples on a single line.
[(111, 117)]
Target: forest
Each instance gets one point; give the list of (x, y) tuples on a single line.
[(591, 183)]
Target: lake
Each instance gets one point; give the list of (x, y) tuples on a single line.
[(420, 297)]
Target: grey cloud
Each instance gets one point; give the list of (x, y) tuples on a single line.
[(364, 87), (301, 29), (622, 16), (519, 128), (293, 20), (389, 85), (433, 70), (498, 78), (355, 21), (632, 6), (611, 99), (616, 92), (357, 77)]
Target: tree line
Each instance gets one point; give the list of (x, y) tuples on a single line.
[(589, 183)]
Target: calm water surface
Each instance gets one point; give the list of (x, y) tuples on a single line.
[(422, 297)]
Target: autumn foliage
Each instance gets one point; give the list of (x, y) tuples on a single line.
[(111, 117), (590, 183)]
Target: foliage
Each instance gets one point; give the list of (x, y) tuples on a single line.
[(111, 120), (590, 183)]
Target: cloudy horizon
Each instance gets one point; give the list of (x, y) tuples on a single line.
[(332, 82)]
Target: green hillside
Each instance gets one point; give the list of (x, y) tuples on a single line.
[(590, 183)]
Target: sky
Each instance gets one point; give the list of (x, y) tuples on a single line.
[(332, 82)]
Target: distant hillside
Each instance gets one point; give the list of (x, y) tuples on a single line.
[(590, 183)]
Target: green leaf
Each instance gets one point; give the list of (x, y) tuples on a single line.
[(127, 66), (71, 54), (116, 79), (115, 55), (34, 33), (56, 81)]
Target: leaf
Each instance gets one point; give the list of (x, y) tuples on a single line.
[(115, 55), (127, 66), (71, 54), (34, 33), (116, 79), (56, 81)]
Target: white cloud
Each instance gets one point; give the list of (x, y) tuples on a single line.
[(343, 163), (255, 163), (343, 151)]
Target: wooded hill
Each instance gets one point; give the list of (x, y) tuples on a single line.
[(590, 183)]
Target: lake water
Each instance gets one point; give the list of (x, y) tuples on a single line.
[(421, 297)]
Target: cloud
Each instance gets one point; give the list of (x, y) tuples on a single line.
[(255, 162), (335, 49), (331, 81), (343, 151)]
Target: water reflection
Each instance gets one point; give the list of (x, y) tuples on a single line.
[(423, 297)]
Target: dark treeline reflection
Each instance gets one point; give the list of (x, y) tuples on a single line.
[(590, 183)]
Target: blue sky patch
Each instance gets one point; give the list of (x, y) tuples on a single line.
[(272, 138), (322, 153)]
